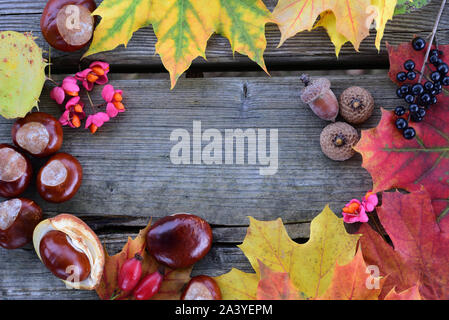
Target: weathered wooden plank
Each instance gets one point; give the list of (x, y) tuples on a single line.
[(129, 176), (306, 50)]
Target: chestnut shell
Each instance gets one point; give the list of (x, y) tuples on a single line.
[(66, 190), (20, 232), (49, 25), (15, 188), (180, 240), (53, 127), (207, 282)]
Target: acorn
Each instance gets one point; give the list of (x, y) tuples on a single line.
[(356, 105), (321, 99), (338, 140)]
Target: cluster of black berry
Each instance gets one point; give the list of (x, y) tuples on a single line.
[(419, 97)]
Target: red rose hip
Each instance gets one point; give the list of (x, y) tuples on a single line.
[(68, 25), (15, 171), (39, 134), (180, 240), (18, 218), (60, 178)]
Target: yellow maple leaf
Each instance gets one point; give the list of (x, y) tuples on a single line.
[(329, 22), (310, 265), (182, 28), (120, 19), (385, 11), (344, 21), (238, 285)]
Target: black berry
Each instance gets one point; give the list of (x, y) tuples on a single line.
[(433, 59), (418, 43), (409, 65), (399, 111), (405, 89), (417, 89), (401, 76), (409, 98), (421, 112), (417, 118), (411, 75), (435, 76), (428, 85), (413, 108), (434, 52), (401, 123), (399, 93), (425, 99), (434, 100), (409, 133), (445, 81), (443, 69)]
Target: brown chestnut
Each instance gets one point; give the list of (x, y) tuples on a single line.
[(59, 255), (68, 25), (180, 240), (70, 250), (60, 178), (202, 288), (15, 171), (39, 134), (18, 218)]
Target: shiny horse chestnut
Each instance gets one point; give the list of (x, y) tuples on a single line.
[(18, 218), (180, 240), (68, 25), (39, 134), (60, 178), (15, 171)]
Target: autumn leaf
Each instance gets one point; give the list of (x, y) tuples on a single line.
[(353, 282), (418, 243), (120, 19), (344, 20), (182, 28), (238, 285), (409, 294), (275, 285), (395, 162), (174, 280), (310, 266)]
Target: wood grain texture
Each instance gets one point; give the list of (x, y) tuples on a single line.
[(305, 50), (129, 176)]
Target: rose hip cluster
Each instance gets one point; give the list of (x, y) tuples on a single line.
[(74, 113), (175, 242)]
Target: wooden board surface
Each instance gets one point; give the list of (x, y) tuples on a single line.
[(305, 50), (129, 176)]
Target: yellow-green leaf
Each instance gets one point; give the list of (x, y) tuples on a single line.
[(238, 285), (310, 265), (243, 23), (120, 19), (182, 28)]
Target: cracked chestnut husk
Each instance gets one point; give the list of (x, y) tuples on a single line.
[(201, 288), (180, 240), (18, 218), (38, 134), (15, 171), (321, 99), (68, 25), (60, 178), (338, 141), (70, 250)]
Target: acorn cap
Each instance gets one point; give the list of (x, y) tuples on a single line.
[(314, 89), (356, 105), (337, 141)]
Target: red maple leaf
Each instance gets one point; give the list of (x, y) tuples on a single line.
[(421, 250)]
